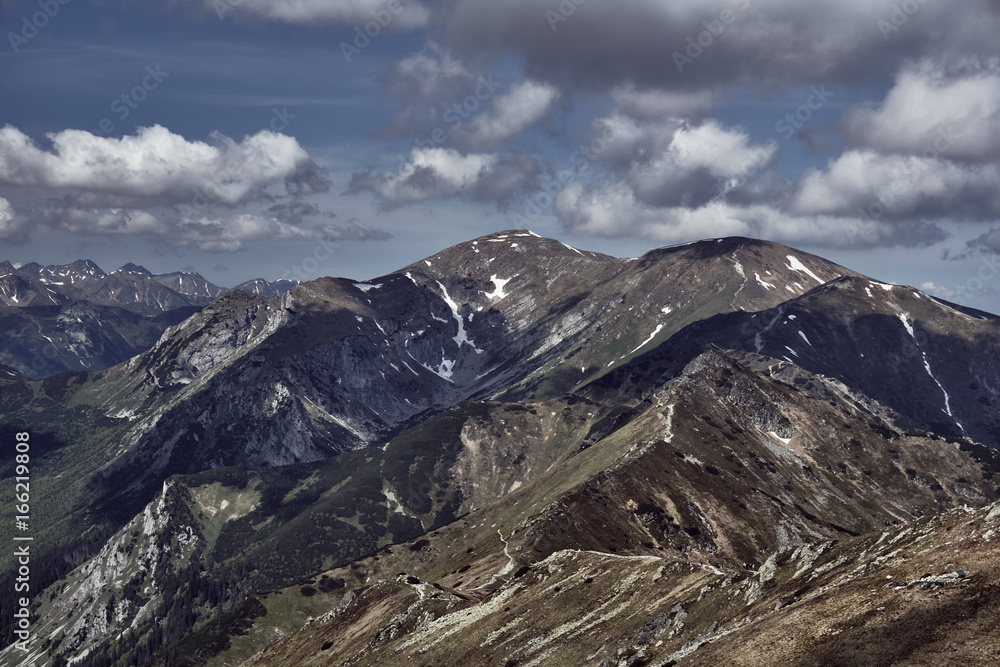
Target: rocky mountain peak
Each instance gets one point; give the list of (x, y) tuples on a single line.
[(132, 268), (87, 266), (643, 443)]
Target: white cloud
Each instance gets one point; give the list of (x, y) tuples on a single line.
[(157, 165), (614, 211), (6, 211), (648, 104), (444, 173), (212, 230), (428, 72), (156, 183), (426, 85), (395, 15), (230, 234), (526, 104), (898, 186), (669, 161), (431, 173), (930, 108), (721, 153), (8, 224), (939, 290)]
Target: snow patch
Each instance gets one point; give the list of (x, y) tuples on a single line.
[(907, 325), (778, 437), (499, 284), (657, 330), (572, 248), (762, 283), (927, 367), (461, 337), (795, 265)]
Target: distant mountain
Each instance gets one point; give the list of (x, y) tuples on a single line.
[(511, 452), (78, 335), (19, 292), (100, 318), (76, 276), (132, 287), (190, 284)]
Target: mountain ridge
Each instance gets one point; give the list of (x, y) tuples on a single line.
[(509, 380)]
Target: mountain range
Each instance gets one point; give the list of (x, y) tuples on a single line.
[(75, 316), (516, 452)]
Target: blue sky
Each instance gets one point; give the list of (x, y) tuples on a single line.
[(278, 139)]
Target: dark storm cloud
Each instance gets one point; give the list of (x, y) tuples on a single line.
[(295, 211), (987, 243), (696, 44)]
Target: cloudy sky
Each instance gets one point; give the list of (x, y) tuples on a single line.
[(299, 138)]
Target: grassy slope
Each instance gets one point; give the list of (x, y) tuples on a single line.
[(605, 485)]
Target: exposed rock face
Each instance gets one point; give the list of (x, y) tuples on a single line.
[(345, 364), (596, 460), (688, 528), (267, 287), (936, 364), (125, 584)]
